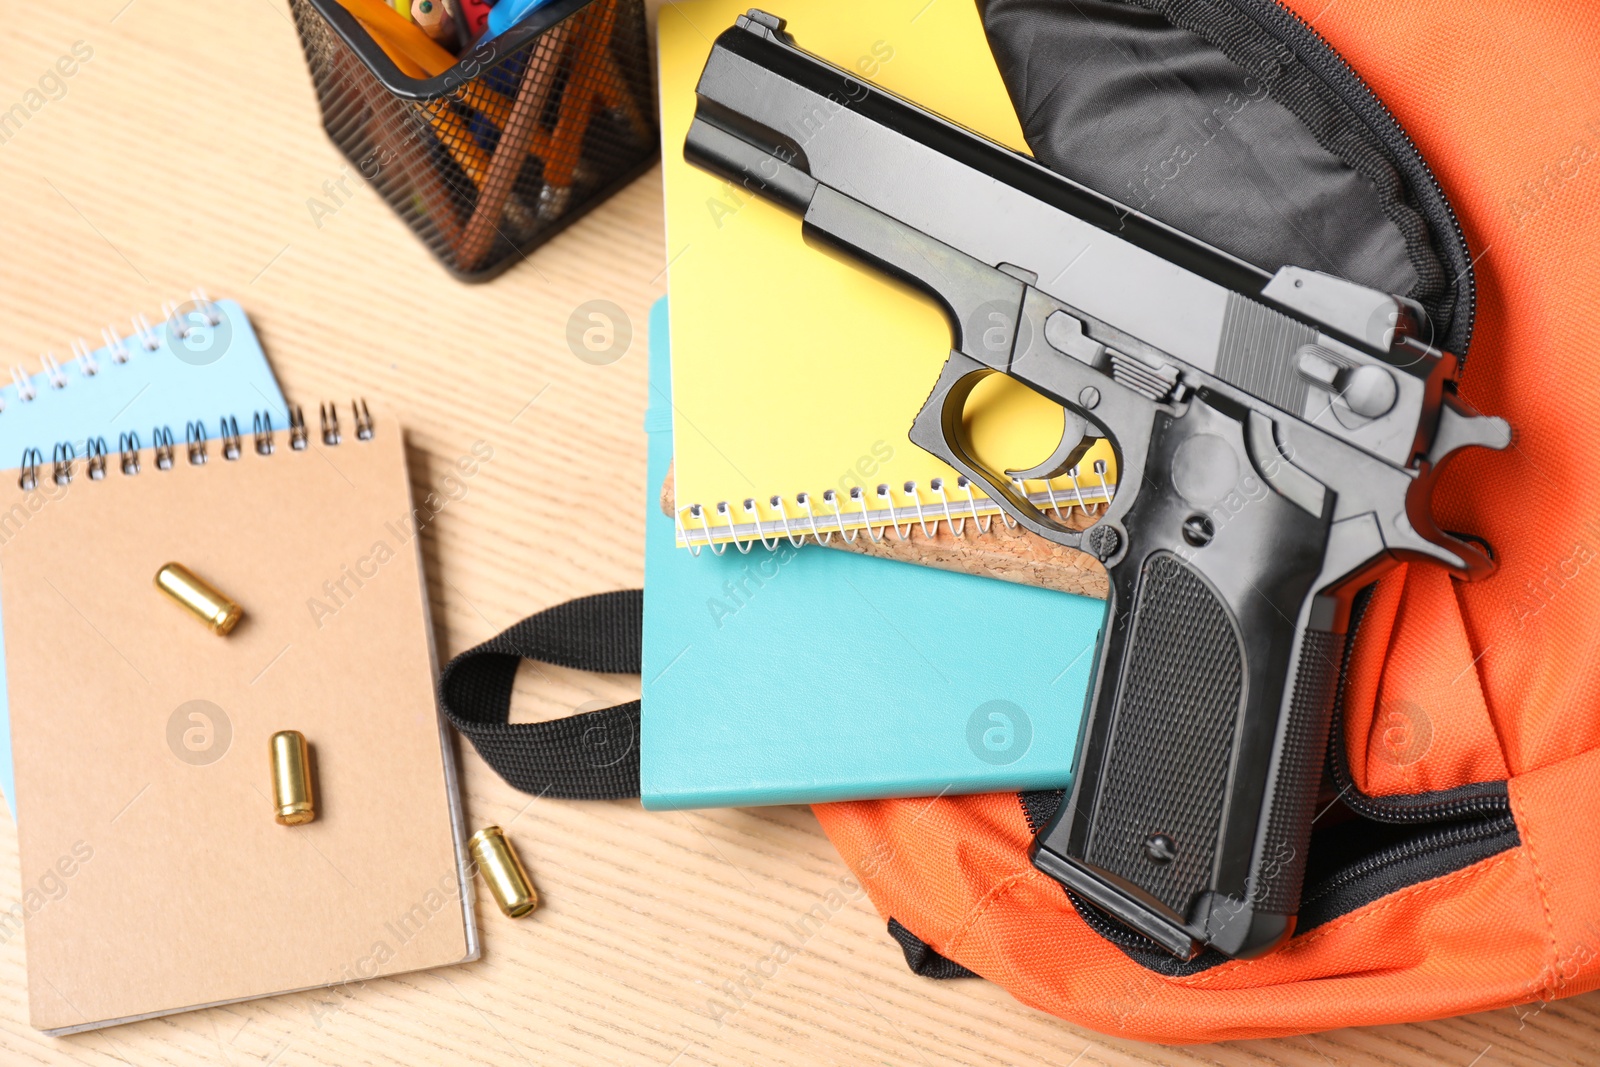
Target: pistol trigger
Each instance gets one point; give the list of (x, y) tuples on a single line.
[(1076, 438)]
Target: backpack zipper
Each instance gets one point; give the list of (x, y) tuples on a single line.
[(1472, 799), (1472, 832)]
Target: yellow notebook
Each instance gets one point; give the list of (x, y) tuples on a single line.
[(796, 371)]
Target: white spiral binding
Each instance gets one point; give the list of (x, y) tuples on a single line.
[(52, 371), (88, 366), (176, 318), (846, 518), (115, 347), (146, 333), (24, 384)]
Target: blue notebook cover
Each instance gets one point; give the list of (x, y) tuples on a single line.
[(200, 365), (804, 675)]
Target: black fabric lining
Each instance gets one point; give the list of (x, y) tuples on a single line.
[(1233, 121), (1457, 311), (922, 959), (1118, 98), (1348, 135)]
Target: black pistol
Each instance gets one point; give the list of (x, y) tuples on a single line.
[(1277, 438)]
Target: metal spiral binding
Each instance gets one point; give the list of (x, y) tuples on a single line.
[(114, 345), (362, 419), (161, 438), (128, 445), (176, 318), (96, 453), (87, 364), (328, 415), (849, 516), (24, 384), (229, 433), (61, 458), (261, 433), (194, 441), (213, 316), (28, 479), (52, 371)]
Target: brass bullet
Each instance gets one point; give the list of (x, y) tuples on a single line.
[(210, 606), (503, 872), (291, 779)]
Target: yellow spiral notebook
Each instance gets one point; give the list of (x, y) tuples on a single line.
[(796, 371)]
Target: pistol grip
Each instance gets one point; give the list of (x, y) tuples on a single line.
[(1203, 744)]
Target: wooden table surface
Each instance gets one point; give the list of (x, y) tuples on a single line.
[(187, 151)]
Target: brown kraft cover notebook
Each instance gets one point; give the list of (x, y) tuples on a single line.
[(144, 783)]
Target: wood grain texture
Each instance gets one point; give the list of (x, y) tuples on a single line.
[(184, 152)]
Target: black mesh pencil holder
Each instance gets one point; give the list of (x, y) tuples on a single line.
[(491, 157)]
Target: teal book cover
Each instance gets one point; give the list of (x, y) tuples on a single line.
[(804, 674)]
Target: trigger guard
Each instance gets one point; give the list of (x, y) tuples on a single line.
[(938, 429), (1075, 441)]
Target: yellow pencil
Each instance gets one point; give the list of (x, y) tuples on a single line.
[(457, 140)]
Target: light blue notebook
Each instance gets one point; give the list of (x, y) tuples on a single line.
[(201, 363), (804, 675)]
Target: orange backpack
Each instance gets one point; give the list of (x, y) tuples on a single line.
[(1454, 867)]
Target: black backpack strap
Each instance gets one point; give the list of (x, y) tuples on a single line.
[(922, 959), (592, 756)]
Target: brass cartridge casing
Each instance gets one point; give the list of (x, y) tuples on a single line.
[(292, 797), (503, 872), (205, 602)]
